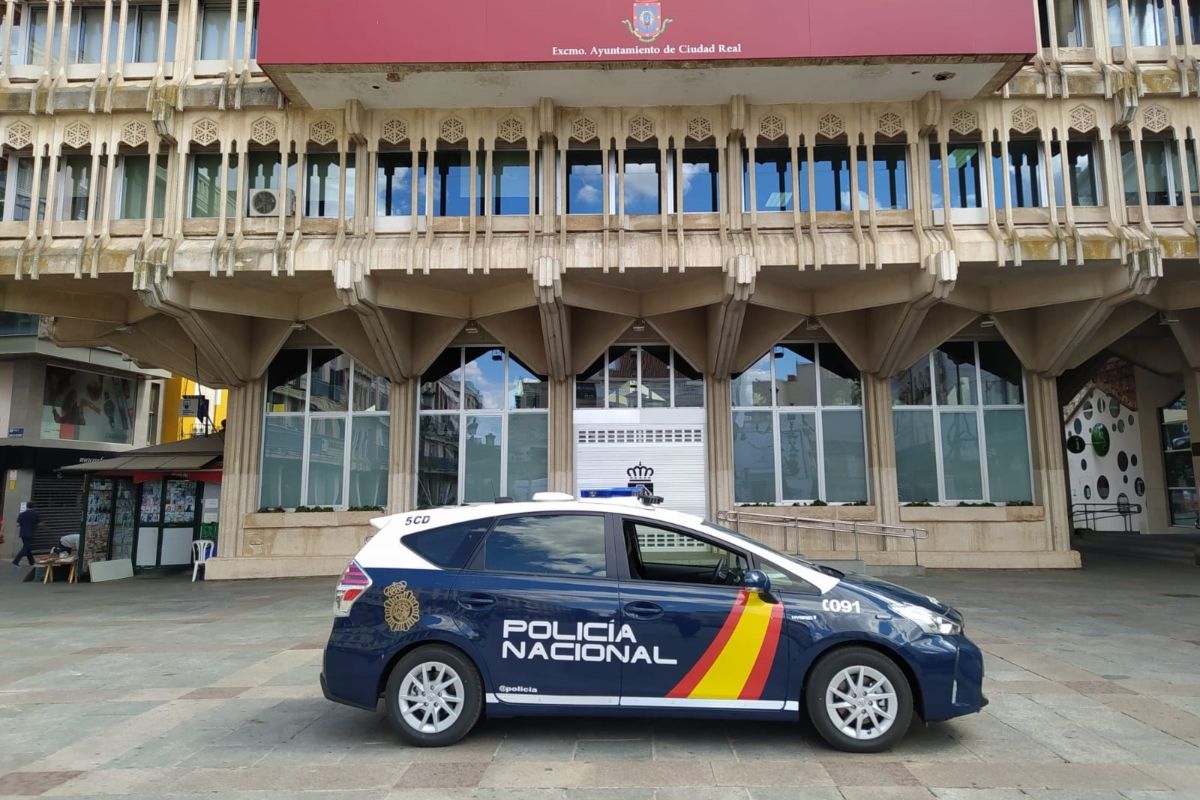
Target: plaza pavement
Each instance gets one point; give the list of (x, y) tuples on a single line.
[(160, 688)]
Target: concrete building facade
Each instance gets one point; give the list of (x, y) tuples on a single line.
[(846, 283)]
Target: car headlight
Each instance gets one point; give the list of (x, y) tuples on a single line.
[(929, 621)]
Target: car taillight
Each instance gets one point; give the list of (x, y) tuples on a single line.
[(353, 584)]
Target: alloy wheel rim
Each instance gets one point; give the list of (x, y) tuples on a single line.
[(861, 702), (431, 697)]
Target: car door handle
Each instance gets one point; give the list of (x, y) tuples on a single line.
[(476, 601), (640, 609)]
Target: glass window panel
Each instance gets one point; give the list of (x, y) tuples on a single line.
[(689, 384), (701, 180), (264, 171), (283, 461), (481, 480), (35, 52), (642, 191), (393, 185), (912, 387), (1085, 185), (510, 182), (135, 174), (656, 377), (77, 178), (845, 456), (954, 368), (798, 456), (160, 186), (589, 387), (437, 463), (831, 169), (753, 387), (795, 375), (1129, 174), (772, 180), (753, 457), (841, 381), (143, 26), (326, 460), (206, 185), (214, 31), (916, 458), (452, 184), (960, 455), (1001, 372), (528, 455), (1025, 173), (371, 392), (585, 182), (1009, 480), (322, 185), (1056, 173), (891, 175), (87, 33), (330, 381), (622, 377), (562, 544), (287, 379), (525, 389), (484, 378)]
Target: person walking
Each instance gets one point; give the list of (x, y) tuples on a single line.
[(28, 522)]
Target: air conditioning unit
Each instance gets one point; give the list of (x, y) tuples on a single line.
[(265, 202)]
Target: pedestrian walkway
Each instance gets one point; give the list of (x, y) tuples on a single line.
[(161, 688)]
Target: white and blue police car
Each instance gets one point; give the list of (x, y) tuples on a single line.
[(611, 605)]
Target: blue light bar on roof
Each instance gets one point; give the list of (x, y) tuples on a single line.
[(605, 494)]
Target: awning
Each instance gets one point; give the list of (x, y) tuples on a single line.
[(201, 453)]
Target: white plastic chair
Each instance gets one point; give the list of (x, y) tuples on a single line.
[(202, 550)]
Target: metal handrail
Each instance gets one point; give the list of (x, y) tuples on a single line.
[(1094, 512), (834, 527)]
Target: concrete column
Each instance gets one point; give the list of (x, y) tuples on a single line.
[(243, 464), (402, 447), (718, 404), (1046, 448), (1153, 392), (561, 469), (881, 448)]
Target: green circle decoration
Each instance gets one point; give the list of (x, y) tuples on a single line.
[(1076, 444), (1100, 440)]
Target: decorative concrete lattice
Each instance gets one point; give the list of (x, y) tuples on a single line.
[(323, 131), (583, 129), (510, 130), (263, 131), (77, 134), (19, 135), (890, 124), (135, 133), (641, 128), (453, 130), (964, 122), (1155, 119), (205, 132), (699, 129), (771, 127), (395, 131), (830, 126), (1024, 120), (1083, 119)]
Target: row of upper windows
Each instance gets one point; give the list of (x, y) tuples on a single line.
[(1070, 22), (147, 30), (1024, 174)]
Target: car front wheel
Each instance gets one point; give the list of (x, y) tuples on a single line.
[(859, 700), (434, 696)]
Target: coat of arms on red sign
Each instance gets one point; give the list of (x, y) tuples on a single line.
[(648, 23)]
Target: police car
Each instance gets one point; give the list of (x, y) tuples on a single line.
[(610, 605)]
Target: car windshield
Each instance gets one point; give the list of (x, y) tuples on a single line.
[(741, 537)]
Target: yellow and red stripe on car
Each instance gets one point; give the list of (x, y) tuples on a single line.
[(737, 663)]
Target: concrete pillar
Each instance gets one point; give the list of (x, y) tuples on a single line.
[(243, 464), (1153, 392), (718, 404), (1046, 448), (881, 448), (561, 444), (403, 441)]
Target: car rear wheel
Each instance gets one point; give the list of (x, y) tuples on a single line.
[(859, 700), (434, 696)]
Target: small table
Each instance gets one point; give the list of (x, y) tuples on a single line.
[(50, 562)]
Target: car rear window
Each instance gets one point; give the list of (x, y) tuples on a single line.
[(451, 546)]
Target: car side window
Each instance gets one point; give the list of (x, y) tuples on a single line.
[(449, 547), (657, 553), (547, 544)]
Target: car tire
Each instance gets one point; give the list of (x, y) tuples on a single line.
[(434, 696), (849, 696)]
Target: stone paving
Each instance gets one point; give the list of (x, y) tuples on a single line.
[(160, 688)]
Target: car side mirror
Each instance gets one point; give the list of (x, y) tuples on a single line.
[(755, 580)]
